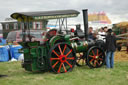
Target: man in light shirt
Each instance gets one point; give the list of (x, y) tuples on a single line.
[(101, 34)]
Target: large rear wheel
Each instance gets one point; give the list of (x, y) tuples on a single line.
[(62, 58)]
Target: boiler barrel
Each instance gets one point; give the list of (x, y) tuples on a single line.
[(81, 46)]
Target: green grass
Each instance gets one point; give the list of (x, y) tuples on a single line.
[(79, 76)]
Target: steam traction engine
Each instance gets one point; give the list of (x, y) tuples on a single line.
[(58, 52)]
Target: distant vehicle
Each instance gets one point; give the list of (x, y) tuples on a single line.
[(16, 36), (121, 32)]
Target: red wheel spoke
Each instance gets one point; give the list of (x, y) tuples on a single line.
[(97, 52), (60, 49), (59, 68), (91, 60), (55, 58), (55, 64), (95, 63), (68, 53), (71, 58), (91, 56), (101, 59), (64, 48), (64, 67), (55, 53), (69, 64), (98, 63), (93, 53)]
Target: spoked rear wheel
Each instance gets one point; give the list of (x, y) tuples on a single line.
[(95, 57), (61, 58)]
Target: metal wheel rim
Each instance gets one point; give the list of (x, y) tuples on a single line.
[(61, 60), (95, 57)]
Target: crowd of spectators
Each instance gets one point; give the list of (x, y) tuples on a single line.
[(97, 34)]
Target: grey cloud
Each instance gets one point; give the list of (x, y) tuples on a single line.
[(113, 7)]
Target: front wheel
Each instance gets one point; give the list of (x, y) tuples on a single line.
[(62, 58), (95, 57)]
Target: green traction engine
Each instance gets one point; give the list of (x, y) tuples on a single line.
[(59, 52)]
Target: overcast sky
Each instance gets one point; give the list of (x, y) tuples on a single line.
[(116, 9)]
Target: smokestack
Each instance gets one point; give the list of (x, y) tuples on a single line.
[(85, 21)]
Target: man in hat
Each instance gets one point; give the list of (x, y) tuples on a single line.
[(110, 48)]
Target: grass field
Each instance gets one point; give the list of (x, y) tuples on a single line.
[(79, 75)]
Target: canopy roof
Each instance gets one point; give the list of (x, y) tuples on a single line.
[(44, 15)]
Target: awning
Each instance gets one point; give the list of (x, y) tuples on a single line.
[(44, 15)]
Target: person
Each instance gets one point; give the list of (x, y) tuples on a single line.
[(105, 29), (90, 34), (110, 48), (101, 34)]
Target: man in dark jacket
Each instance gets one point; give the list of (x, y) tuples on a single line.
[(110, 48)]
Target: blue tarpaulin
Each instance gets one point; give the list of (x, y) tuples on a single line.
[(2, 41), (4, 55), (14, 51)]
